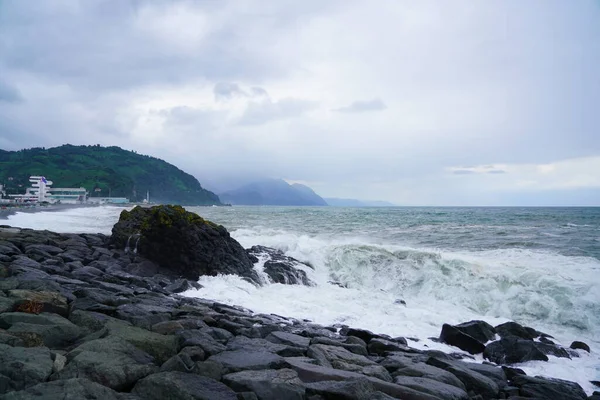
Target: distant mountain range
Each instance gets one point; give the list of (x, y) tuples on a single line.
[(357, 203), (273, 192)]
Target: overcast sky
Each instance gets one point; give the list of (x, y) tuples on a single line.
[(416, 102)]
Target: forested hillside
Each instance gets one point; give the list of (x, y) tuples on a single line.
[(103, 171)]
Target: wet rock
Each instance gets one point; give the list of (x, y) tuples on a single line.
[(455, 337), (382, 346), (11, 340), (479, 330), (514, 329), (511, 350), (267, 384), (435, 388), (200, 339), (239, 360), (340, 358), (580, 345), (23, 367), (179, 286), (161, 347), (399, 365), (359, 333), (355, 348), (288, 339), (360, 389), (182, 242), (178, 385), (493, 372), (69, 389), (472, 380), (50, 302), (552, 349), (167, 327), (54, 330), (181, 362), (6, 304), (245, 343), (112, 362), (210, 369), (315, 373), (547, 388), (279, 267)]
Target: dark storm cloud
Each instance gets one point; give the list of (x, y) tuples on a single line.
[(363, 106)]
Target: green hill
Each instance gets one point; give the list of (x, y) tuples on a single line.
[(103, 171)]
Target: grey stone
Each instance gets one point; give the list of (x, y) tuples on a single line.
[(112, 362), (472, 380), (360, 389), (239, 360), (315, 373), (182, 386), (25, 366), (404, 366), (245, 343), (356, 348), (197, 338), (381, 346), (512, 349), (267, 384), (340, 358), (161, 347), (548, 388), (69, 389), (55, 330), (50, 302), (433, 387), (288, 338)]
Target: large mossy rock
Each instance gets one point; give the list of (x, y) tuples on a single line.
[(182, 242)]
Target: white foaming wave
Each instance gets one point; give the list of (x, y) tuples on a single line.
[(535, 287), (98, 219), (550, 292)]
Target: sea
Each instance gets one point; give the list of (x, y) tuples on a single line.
[(539, 267)]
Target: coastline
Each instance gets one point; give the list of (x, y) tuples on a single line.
[(8, 211), (68, 295)]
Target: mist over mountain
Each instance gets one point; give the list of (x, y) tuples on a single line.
[(273, 192)]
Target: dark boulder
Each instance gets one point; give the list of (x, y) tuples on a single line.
[(279, 267), (548, 388), (268, 384), (514, 329), (580, 345), (179, 385), (455, 337), (480, 330), (181, 242), (68, 389), (512, 349)]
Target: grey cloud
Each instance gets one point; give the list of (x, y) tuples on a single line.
[(227, 90), (496, 171), (261, 112), (363, 106), (9, 93), (258, 91), (463, 172)]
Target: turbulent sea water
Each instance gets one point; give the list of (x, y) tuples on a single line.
[(537, 266)]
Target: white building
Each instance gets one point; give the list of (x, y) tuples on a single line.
[(41, 190)]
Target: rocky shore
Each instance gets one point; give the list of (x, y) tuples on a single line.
[(101, 317)]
